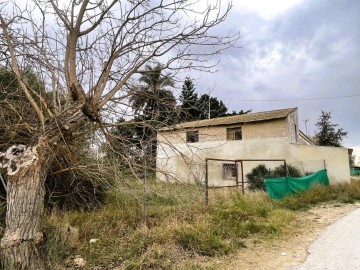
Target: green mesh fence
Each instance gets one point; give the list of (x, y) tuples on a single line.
[(354, 172), (278, 188)]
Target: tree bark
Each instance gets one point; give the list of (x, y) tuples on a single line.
[(27, 169), (25, 203)]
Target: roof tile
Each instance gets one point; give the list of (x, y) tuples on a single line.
[(228, 120)]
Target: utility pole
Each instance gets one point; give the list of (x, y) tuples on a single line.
[(305, 121), (209, 104), (210, 91)]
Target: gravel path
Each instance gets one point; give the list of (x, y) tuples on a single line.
[(337, 247)]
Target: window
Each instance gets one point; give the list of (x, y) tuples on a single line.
[(229, 171), (192, 136), (233, 134)]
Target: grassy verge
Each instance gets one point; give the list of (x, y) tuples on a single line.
[(177, 227)]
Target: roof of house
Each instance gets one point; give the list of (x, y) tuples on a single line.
[(236, 119)]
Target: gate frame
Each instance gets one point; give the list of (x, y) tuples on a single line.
[(236, 161)]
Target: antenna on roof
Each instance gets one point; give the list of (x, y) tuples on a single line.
[(305, 121), (209, 103)]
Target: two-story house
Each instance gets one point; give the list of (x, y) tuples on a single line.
[(183, 148)]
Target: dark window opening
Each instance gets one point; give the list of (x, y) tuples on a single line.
[(229, 171), (233, 134), (192, 136)]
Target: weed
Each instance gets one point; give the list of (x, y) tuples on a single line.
[(201, 241), (178, 225)]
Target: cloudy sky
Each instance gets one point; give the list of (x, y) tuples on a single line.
[(293, 53)]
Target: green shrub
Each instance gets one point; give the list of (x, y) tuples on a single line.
[(256, 177), (259, 173), (280, 171)]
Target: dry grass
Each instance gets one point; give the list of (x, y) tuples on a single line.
[(179, 229)]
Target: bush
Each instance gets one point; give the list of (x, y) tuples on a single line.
[(75, 181), (259, 173), (279, 171), (256, 177)]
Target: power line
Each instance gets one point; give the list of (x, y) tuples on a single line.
[(300, 99)]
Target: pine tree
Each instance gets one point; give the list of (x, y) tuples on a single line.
[(328, 134), (217, 108), (189, 101)]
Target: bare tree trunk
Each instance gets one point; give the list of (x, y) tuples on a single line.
[(25, 204)]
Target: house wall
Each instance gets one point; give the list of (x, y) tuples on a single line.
[(276, 128), (185, 162)]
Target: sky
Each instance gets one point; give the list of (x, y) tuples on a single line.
[(293, 53)]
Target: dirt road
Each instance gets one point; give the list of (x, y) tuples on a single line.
[(337, 247), (291, 250)]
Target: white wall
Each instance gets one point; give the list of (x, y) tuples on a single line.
[(185, 162)]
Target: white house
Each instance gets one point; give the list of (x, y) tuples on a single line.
[(183, 148)]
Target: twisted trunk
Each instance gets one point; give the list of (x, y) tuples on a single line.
[(27, 169), (25, 204)]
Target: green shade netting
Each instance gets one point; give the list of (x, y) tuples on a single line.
[(278, 188), (354, 172)]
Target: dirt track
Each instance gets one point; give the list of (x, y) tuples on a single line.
[(290, 250)]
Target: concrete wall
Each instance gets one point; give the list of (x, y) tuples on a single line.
[(276, 128), (185, 162)]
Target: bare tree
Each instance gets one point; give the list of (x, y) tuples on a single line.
[(88, 54)]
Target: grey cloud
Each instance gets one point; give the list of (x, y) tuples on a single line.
[(316, 45)]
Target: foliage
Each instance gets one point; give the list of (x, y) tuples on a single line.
[(79, 186), (89, 58), (18, 121), (189, 100), (342, 192), (179, 226), (328, 134), (280, 171), (193, 107), (128, 141), (154, 106), (256, 177), (238, 113), (153, 100), (217, 108), (75, 186), (174, 231), (259, 173)]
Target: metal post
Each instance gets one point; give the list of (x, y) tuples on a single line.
[(286, 169), (302, 165), (236, 174), (206, 183), (242, 178)]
